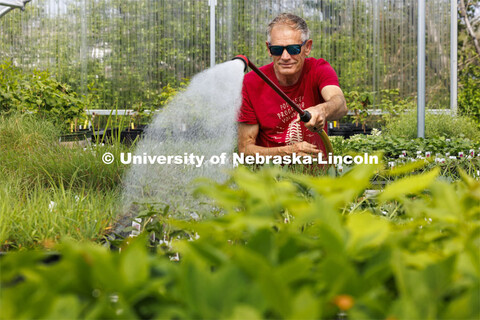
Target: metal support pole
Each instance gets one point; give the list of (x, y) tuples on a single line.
[(212, 4), (421, 70), (453, 56), (375, 50), (83, 48)]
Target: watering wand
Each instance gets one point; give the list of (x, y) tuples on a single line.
[(305, 116)]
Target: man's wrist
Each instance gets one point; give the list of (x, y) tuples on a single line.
[(323, 109), (285, 150), (333, 107)]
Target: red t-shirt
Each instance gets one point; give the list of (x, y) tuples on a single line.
[(261, 105)]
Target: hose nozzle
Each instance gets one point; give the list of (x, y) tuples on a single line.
[(244, 59)]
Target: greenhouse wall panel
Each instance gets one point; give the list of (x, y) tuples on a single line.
[(127, 50)]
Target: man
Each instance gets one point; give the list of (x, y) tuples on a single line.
[(267, 125)]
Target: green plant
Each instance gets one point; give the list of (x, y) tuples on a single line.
[(388, 101), (468, 63), (393, 147), (393, 104), (142, 115), (436, 125), (168, 92), (359, 102), (469, 95), (39, 93), (282, 249)]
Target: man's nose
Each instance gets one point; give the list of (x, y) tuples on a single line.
[(285, 54)]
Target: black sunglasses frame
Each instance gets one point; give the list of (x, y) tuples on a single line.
[(291, 49)]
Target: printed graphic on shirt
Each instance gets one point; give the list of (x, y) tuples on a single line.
[(294, 133), (286, 113)]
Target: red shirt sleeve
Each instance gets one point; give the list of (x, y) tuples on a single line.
[(326, 75), (246, 114)]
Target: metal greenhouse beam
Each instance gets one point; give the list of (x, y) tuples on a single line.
[(12, 3), (421, 70), (5, 10), (212, 4), (453, 56), (7, 5)]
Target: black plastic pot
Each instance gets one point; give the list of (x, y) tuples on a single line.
[(76, 136), (98, 136), (129, 136), (347, 130), (105, 135)]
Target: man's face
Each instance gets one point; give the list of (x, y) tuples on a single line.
[(288, 65)]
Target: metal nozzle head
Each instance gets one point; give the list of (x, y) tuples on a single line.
[(244, 59)]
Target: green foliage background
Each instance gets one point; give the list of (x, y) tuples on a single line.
[(39, 93)]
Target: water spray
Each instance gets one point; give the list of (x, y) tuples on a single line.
[(305, 116)]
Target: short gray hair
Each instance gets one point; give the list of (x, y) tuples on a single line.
[(291, 20)]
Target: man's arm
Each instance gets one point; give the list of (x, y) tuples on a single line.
[(333, 108), (247, 137)]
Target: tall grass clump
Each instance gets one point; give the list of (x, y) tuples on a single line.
[(38, 217), (29, 150), (436, 125), (49, 191)]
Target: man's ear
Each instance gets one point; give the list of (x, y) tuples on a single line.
[(308, 47), (266, 43)]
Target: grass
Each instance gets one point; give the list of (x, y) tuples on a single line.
[(49, 191), (436, 125), (29, 150), (38, 216)]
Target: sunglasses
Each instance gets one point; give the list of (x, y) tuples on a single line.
[(292, 49)]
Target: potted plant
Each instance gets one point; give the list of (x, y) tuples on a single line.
[(77, 132), (134, 130), (358, 103)]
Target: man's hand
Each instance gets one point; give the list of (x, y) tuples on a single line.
[(318, 119), (247, 135), (304, 149), (333, 108)]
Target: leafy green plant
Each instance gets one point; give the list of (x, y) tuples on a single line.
[(469, 95), (393, 104), (392, 147), (142, 115), (359, 102), (39, 93), (399, 151), (468, 64), (389, 101), (287, 246), (168, 92)]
